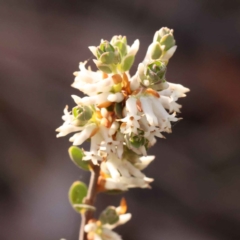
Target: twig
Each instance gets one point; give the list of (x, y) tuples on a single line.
[(90, 199)]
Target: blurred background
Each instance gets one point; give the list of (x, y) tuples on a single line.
[(196, 192)]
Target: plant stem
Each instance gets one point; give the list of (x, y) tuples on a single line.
[(90, 199)]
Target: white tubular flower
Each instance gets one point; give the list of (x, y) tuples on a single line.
[(130, 124), (69, 125), (174, 91), (121, 174), (93, 156), (81, 137), (144, 162), (147, 107), (169, 104), (156, 114), (87, 79), (134, 48), (113, 129), (93, 100), (115, 97), (96, 232), (108, 234), (134, 82)]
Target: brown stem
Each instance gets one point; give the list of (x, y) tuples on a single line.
[(90, 199)]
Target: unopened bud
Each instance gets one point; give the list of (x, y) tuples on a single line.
[(162, 32), (163, 46), (121, 43), (109, 216), (156, 72), (153, 75), (138, 140), (82, 114), (107, 54)]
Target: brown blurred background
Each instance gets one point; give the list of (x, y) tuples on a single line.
[(196, 193)]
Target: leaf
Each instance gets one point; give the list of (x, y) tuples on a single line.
[(107, 57), (168, 41), (104, 68), (156, 51), (76, 154), (76, 194), (127, 63)]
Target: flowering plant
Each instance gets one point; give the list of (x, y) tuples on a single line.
[(121, 116)]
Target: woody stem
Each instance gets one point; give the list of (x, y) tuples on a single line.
[(90, 199)]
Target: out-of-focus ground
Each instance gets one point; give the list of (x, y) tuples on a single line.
[(196, 193)]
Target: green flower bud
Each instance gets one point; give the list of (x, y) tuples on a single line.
[(164, 37), (138, 140), (121, 43), (107, 54), (130, 155), (109, 216), (153, 75), (156, 72), (82, 114), (76, 194), (162, 32)]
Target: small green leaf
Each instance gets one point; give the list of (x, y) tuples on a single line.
[(76, 154), (109, 216), (122, 47), (76, 194), (104, 68), (107, 57), (127, 63), (168, 41), (156, 51)]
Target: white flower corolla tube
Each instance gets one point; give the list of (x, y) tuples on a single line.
[(175, 91), (122, 116), (123, 173)]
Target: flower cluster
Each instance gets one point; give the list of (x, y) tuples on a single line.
[(122, 115)]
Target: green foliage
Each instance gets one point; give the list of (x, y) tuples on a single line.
[(76, 154), (76, 194), (127, 63), (156, 51), (104, 68), (167, 41)]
